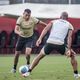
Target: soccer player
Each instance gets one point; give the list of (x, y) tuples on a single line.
[(25, 26), (59, 29)]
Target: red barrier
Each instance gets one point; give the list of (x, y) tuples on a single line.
[(8, 24)]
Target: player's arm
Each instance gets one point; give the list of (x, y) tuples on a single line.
[(69, 39), (42, 23), (69, 43), (17, 30), (17, 27), (37, 21), (45, 30)]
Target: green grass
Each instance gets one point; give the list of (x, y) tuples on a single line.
[(52, 67)]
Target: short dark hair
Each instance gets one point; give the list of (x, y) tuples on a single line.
[(64, 15), (27, 10)]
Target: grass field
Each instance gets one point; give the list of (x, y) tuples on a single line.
[(52, 67)]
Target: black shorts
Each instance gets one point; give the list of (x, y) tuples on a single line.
[(48, 48), (24, 42)]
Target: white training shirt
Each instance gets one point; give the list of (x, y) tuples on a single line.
[(59, 31)]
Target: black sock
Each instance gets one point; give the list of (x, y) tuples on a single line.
[(29, 70), (28, 59), (76, 72), (14, 67), (28, 62)]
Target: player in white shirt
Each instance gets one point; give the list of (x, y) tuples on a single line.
[(59, 30)]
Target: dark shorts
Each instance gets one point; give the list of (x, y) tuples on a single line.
[(48, 48), (24, 42)]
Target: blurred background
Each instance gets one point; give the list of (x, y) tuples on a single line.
[(7, 2)]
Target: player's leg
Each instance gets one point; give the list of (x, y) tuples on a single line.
[(16, 58), (36, 60), (74, 64), (28, 53), (73, 61), (44, 51), (34, 63), (29, 45), (18, 49)]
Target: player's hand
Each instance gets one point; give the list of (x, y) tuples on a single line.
[(20, 33), (68, 53), (38, 42)]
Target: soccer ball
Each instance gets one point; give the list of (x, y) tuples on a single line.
[(23, 70)]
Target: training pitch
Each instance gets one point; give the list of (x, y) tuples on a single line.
[(52, 67)]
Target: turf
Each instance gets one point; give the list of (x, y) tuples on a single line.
[(52, 67)]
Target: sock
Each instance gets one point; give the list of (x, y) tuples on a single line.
[(14, 67), (29, 70), (76, 72), (28, 62), (28, 59)]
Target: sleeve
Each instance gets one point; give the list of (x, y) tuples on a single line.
[(35, 20), (71, 27), (18, 21)]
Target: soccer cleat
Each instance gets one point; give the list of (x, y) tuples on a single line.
[(13, 70), (28, 65), (26, 74), (77, 76)]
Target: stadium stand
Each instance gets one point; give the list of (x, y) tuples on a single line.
[(45, 1), (4, 2), (76, 42), (3, 41), (12, 42)]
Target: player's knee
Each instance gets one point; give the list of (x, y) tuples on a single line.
[(17, 52), (28, 51), (17, 55), (72, 56), (42, 52)]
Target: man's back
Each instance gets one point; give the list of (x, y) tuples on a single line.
[(59, 31)]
